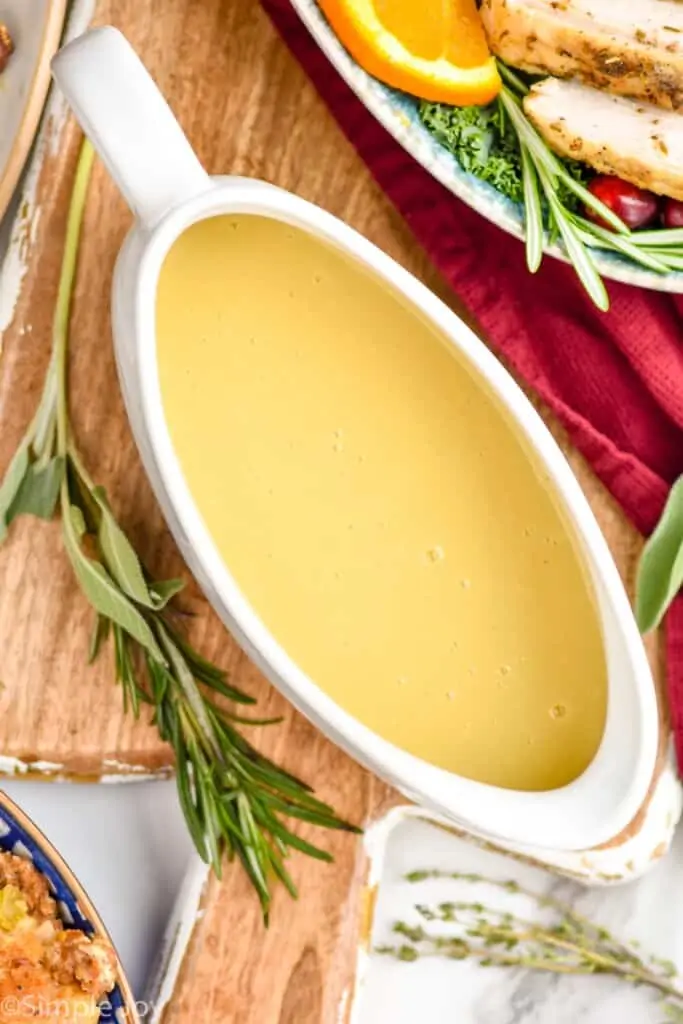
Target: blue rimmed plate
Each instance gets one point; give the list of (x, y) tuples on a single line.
[(398, 113), (19, 835)]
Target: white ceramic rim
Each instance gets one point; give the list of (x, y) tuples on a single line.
[(542, 819)]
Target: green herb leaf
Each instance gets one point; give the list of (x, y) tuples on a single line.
[(81, 493), (38, 491), (223, 782), (598, 237), (577, 252), (16, 471), (101, 590), (588, 199), (660, 571), (119, 555), (206, 672), (78, 520), (543, 933), (513, 79), (482, 141), (534, 215), (187, 681), (543, 158), (671, 258), (660, 237), (99, 636), (186, 791), (134, 693), (164, 591)]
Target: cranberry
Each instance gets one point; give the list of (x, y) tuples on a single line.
[(672, 214), (636, 207)]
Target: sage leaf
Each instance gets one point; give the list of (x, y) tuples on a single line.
[(16, 471), (164, 591), (660, 570), (78, 520), (81, 495), (119, 555), (99, 636), (101, 590), (38, 491)]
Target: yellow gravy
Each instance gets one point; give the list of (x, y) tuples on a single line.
[(376, 508)]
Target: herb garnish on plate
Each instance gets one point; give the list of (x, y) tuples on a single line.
[(499, 144)]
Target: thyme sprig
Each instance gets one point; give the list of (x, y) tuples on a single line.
[(559, 940), (234, 800)]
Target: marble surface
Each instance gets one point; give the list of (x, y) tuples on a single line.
[(438, 991)]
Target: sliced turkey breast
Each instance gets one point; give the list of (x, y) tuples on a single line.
[(628, 47), (635, 141)]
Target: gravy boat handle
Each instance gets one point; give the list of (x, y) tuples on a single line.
[(129, 123)]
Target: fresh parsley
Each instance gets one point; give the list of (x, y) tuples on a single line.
[(483, 142)]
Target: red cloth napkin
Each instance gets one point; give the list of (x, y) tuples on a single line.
[(615, 380)]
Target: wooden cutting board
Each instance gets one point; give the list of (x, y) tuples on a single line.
[(248, 109)]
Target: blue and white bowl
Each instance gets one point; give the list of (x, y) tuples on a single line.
[(398, 113), (20, 836)]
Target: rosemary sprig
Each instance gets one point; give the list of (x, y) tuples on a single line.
[(235, 800), (568, 944), (542, 174)]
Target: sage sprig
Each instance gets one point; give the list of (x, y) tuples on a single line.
[(660, 569), (235, 800), (551, 937)]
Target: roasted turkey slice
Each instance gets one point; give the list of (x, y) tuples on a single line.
[(635, 141), (628, 47)]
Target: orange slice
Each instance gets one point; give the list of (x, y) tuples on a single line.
[(434, 49)]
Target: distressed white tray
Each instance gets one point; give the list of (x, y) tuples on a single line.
[(439, 991)]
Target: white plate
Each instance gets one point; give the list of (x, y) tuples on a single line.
[(398, 113), (35, 27)]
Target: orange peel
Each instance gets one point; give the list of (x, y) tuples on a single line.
[(433, 49)]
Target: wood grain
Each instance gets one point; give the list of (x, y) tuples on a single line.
[(248, 109)]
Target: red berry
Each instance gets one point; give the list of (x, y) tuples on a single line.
[(636, 207), (672, 214)]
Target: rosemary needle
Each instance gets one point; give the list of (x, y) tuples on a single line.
[(235, 800), (534, 213)]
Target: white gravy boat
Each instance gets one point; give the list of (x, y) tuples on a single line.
[(146, 152)]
